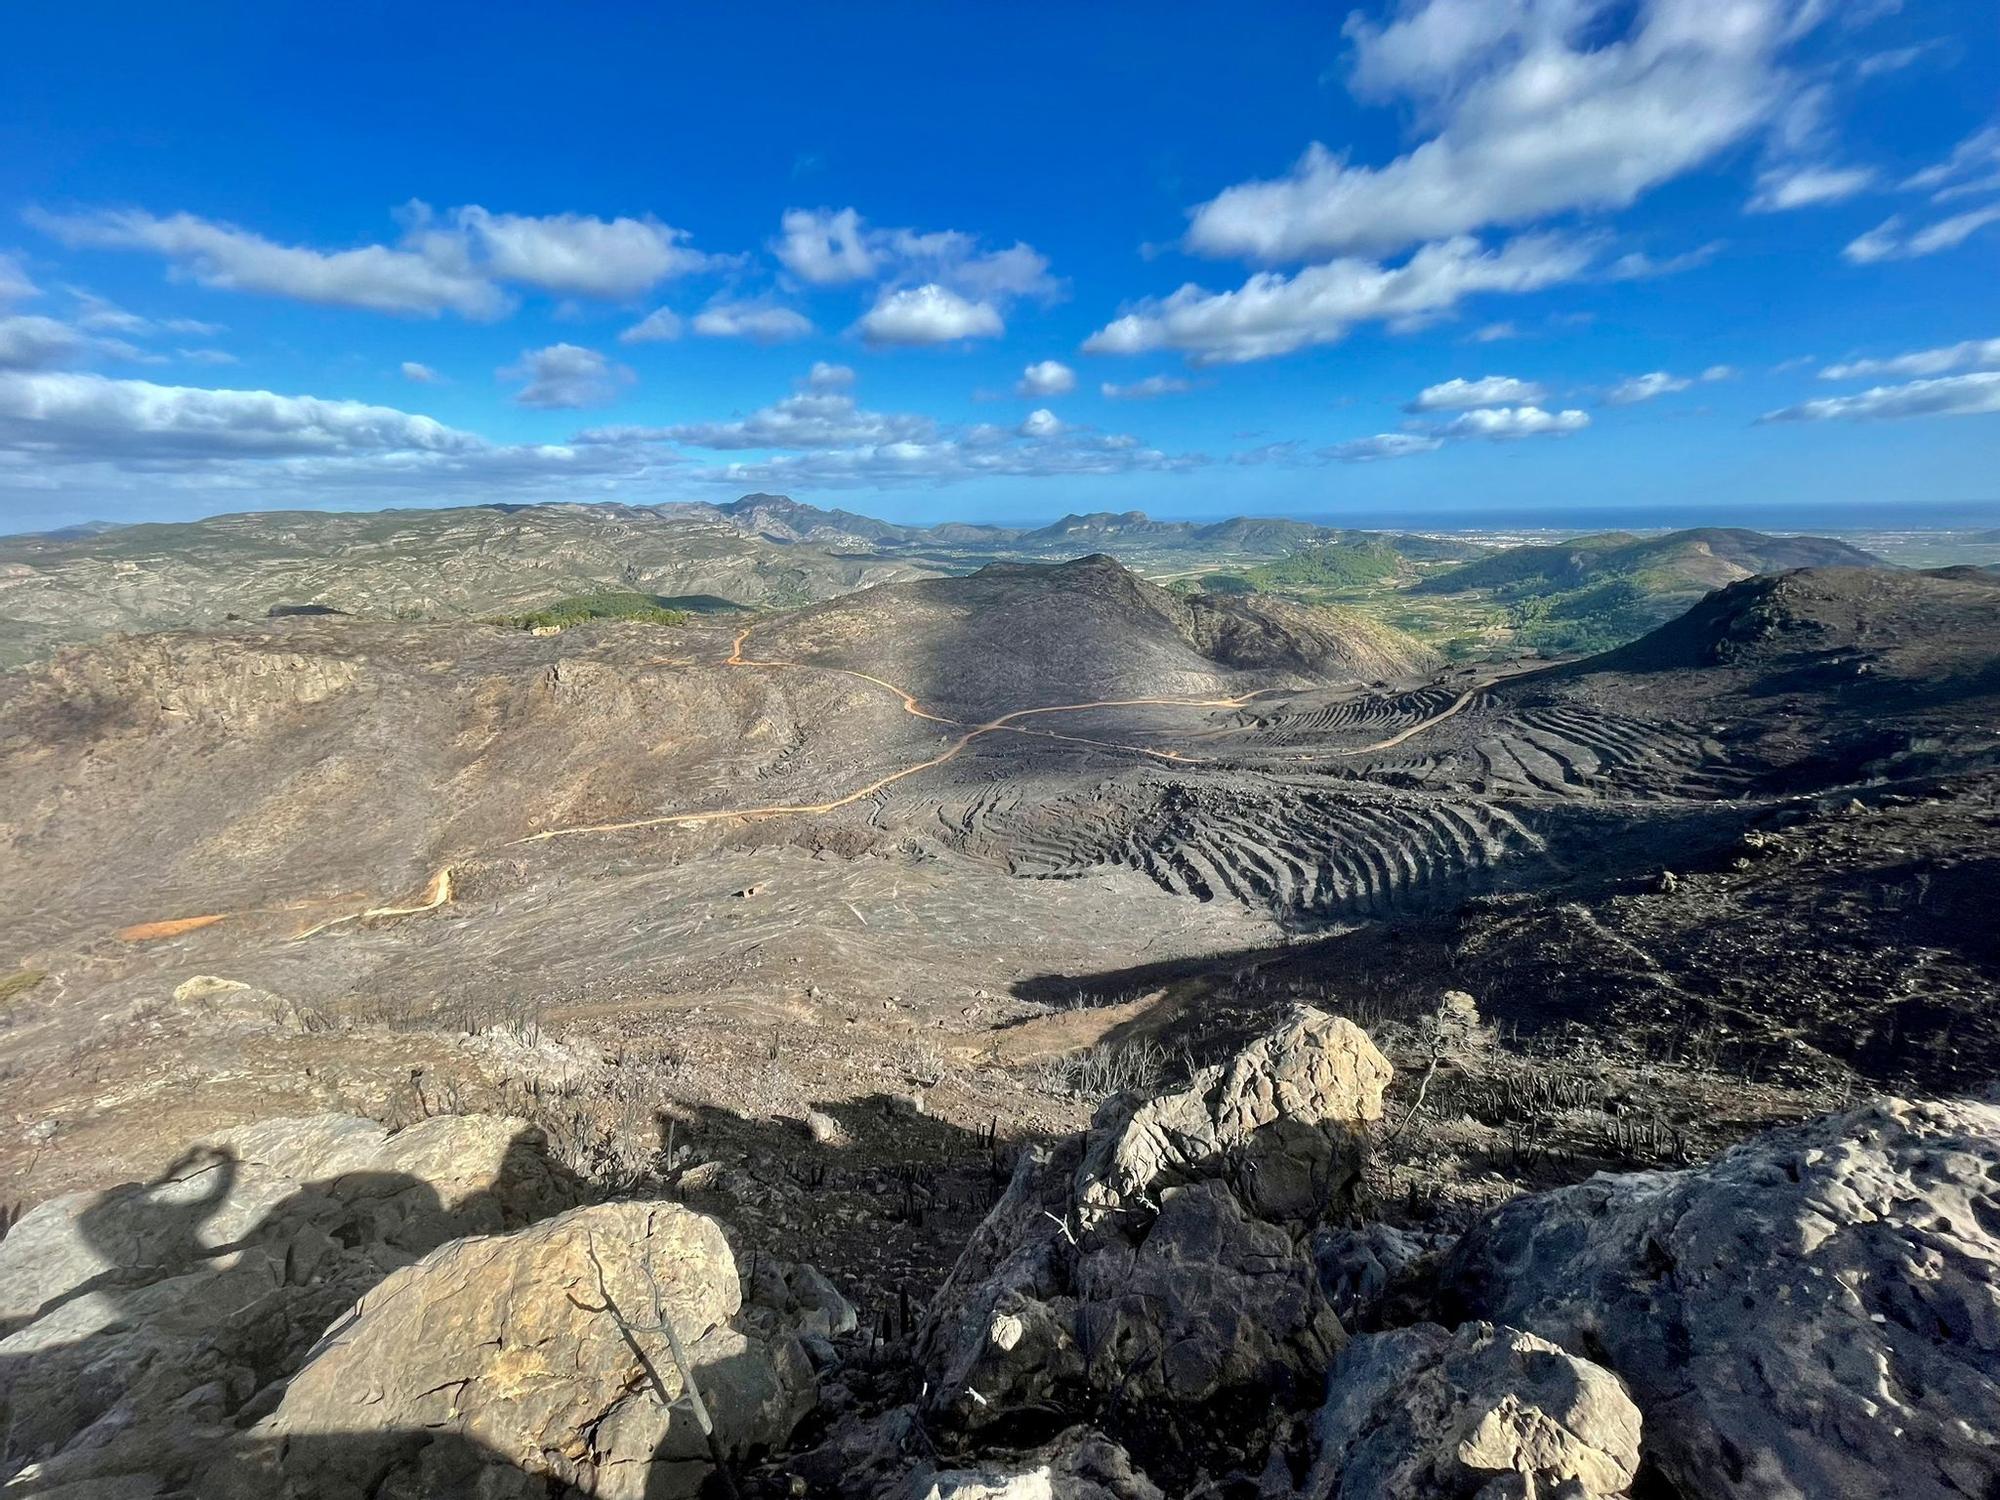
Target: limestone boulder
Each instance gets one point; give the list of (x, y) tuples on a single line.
[(532, 1361), (137, 1323), (1816, 1312), (1426, 1414), (1280, 1123), (1165, 1255)]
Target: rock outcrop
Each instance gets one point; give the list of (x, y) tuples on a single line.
[(138, 1322), (1816, 1312), (545, 1356), (1485, 1412), (1078, 1465), (1164, 1259)]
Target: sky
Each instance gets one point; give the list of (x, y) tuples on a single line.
[(968, 261)]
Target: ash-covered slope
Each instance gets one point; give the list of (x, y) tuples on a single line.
[(1014, 635)]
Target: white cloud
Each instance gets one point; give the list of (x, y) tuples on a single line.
[(454, 262), (824, 247), (1272, 314), (1536, 107), (1891, 60), (1385, 445), (420, 374), (759, 322), (829, 247), (35, 343), (1507, 423), (1972, 354), (575, 254), (1889, 241), (1948, 396), (94, 417), (563, 377), (950, 457), (1041, 423), (928, 314), (1784, 188), (1972, 167), (826, 377), (206, 356), (815, 418), (1639, 266), (1493, 333), (1645, 388), (1489, 390), (14, 283), (1147, 389), (221, 255), (1048, 377), (1720, 372), (659, 326)]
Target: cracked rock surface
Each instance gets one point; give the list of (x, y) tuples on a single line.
[(1816, 1309)]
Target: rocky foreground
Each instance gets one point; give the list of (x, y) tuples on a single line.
[(1182, 1300)]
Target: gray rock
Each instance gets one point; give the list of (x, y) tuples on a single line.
[(1280, 1121), (1357, 1266), (1078, 1465), (1814, 1313), (1163, 1256), (138, 1321), (1423, 1414), (540, 1352)]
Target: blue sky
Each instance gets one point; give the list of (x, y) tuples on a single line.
[(932, 261)]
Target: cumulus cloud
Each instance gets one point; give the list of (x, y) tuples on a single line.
[(1947, 396), (1272, 314), (1889, 240), (659, 326), (1533, 107), (821, 436), (420, 374), (1645, 387), (1385, 445), (1973, 354), (1507, 423), (831, 247), (1048, 377), (824, 247), (374, 277), (572, 254), (813, 418), (761, 323), (101, 440), (95, 417), (1148, 389), (455, 262), (564, 377), (928, 314), (1785, 188), (1488, 390)]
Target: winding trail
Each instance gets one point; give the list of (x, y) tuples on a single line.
[(438, 892)]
